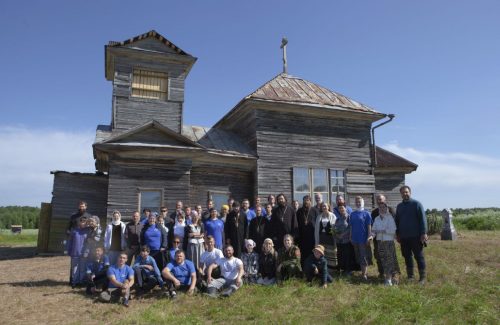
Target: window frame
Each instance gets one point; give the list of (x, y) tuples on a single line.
[(140, 191), (210, 194), (330, 175)]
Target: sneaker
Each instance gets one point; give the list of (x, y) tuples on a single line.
[(228, 292), (365, 278), (421, 281), (126, 302), (388, 283), (173, 295)]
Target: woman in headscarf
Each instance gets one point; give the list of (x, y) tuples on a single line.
[(384, 228), (324, 235), (177, 228), (361, 228), (114, 237)]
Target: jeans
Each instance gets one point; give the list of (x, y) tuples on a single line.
[(413, 247), (77, 274)]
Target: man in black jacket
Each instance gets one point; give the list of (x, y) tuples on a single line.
[(282, 222)]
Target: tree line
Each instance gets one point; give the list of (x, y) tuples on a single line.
[(26, 216)]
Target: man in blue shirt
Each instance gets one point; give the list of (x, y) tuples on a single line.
[(147, 272), (340, 201), (411, 232), (121, 279), (180, 275)]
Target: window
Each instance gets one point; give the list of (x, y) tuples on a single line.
[(219, 198), (327, 182), (149, 84), (150, 199), (337, 183)]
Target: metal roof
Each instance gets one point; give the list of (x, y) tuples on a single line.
[(387, 159), (287, 88), (212, 138)]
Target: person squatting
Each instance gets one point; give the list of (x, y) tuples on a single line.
[(216, 252)]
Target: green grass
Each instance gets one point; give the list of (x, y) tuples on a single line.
[(28, 237), (463, 287)]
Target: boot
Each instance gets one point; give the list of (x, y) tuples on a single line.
[(411, 276), (422, 277), (211, 292), (229, 291)]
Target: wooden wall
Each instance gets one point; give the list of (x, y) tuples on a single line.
[(68, 190), (127, 178), (131, 111), (286, 140), (216, 178), (389, 184)]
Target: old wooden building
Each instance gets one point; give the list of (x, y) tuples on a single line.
[(290, 136)]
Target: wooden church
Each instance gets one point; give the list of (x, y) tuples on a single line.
[(289, 136)]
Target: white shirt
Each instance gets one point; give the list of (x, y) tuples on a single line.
[(386, 224), (209, 258), (229, 268)]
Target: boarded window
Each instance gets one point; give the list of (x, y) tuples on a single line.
[(149, 84), (150, 199)]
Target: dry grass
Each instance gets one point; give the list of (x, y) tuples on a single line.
[(463, 287)]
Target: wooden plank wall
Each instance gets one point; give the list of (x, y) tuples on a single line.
[(68, 190), (286, 140), (389, 184), (44, 227), (126, 178), (216, 178), (132, 111)]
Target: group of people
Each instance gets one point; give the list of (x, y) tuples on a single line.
[(216, 252)]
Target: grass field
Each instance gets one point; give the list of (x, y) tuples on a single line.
[(463, 287), (27, 237)]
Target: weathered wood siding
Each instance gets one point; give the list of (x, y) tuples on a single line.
[(69, 189), (127, 178), (131, 111), (287, 140), (389, 184), (238, 183)]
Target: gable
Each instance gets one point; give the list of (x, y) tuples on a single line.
[(152, 136), (152, 133), (152, 44)]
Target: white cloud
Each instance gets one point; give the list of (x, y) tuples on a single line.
[(28, 156), (451, 179)]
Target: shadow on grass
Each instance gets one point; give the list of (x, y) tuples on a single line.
[(17, 252), (41, 283)]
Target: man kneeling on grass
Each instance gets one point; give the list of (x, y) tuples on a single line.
[(231, 269), (97, 270), (121, 279), (180, 274), (316, 266)]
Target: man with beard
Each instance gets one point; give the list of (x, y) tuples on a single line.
[(282, 222), (236, 229), (257, 229), (74, 220), (341, 201), (306, 220)]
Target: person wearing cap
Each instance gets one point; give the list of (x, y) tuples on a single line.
[(316, 266), (224, 211), (250, 261)]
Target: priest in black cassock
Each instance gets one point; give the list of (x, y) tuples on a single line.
[(236, 229), (306, 220), (282, 222)]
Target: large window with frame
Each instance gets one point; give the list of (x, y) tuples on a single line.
[(150, 199), (149, 84), (327, 182)]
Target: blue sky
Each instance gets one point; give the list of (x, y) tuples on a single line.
[(435, 64)]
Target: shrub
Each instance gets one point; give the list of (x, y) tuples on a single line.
[(434, 224)]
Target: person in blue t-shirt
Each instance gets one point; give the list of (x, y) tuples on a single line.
[(146, 271), (361, 228), (180, 275), (97, 270), (121, 279), (215, 227)]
